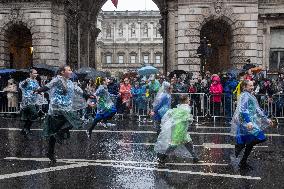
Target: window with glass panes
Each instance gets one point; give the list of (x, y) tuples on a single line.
[(146, 58), (276, 57), (158, 59), (120, 59), (133, 59), (108, 59)]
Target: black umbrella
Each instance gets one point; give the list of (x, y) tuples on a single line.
[(95, 74), (20, 75), (177, 73), (44, 69), (85, 70), (248, 66)]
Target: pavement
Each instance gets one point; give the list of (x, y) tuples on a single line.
[(123, 157)]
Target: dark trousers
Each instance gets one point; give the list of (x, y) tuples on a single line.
[(248, 149), (102, 117), (27, 126), (188, 146)]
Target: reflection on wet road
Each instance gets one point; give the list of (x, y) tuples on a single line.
[(123, 157)]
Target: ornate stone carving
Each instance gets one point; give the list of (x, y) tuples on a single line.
[(218, 6)]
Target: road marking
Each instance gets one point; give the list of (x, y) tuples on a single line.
[(140, 132), (110, 161), (45, 170), (78, 165), (205, 145)]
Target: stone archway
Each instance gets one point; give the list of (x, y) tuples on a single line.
[(18, 48), (219, 35)]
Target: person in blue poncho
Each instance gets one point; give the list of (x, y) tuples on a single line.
[(248, 123), (29, 109), (105, 107), (61, 114), (162, 103), (229, 87)]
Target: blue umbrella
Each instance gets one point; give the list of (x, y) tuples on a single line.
[(147, 70), (7, 71)]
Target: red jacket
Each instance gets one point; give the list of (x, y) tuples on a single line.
[(216, 89), (125, 92)]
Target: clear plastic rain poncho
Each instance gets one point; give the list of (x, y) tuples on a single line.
[(62, 93), (104, 102), (174, 127), (162, 101), (248, 106), (28, 87)]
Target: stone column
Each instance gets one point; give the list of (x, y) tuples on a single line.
[(152, 30), (139, 31), (79, 44), (171, 36), (126, 34)]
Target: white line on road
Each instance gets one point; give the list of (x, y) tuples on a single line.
[(45, 170), (205, 145), (140, 132), (110, 161), (78, 165)]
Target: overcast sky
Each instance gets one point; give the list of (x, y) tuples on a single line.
[(131, 5)]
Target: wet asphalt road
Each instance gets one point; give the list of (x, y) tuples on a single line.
[(123, 157)]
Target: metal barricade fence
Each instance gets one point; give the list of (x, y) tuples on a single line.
[(221, 106), (278, 106), (9, 105), (199, 103)]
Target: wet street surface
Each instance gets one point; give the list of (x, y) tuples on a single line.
[(123, 157)]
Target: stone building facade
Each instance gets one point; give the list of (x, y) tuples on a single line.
[(236, 29), (128, 40), (66, 31)]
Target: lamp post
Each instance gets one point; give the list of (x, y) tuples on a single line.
[(204, 51)]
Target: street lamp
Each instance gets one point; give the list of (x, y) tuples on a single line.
[(204, 51)]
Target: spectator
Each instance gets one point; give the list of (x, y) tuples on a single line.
[(12, 96), (125, 93), (216, 91)]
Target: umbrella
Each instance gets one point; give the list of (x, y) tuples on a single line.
[(129, 75), (248, 66), (256, 69), (21, 74), (85, 70), (177, 72), (147, 70), (44, 69), (7, 71), (95, 74)]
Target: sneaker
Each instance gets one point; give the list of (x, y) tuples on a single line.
[(110, 124), (101, 124), (195, 160), (245, 165), (52, 158), (89, 134)]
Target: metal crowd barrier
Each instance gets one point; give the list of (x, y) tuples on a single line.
[(203, 105), (9, 105)]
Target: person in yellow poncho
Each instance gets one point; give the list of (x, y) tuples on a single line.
[(238, 91)]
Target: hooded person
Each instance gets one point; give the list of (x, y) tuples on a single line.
[(248, 123), (174, 130), (216, 91), (105, 107), (162, 103), (229, 87)]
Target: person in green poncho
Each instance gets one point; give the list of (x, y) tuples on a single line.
[(174, 127)]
